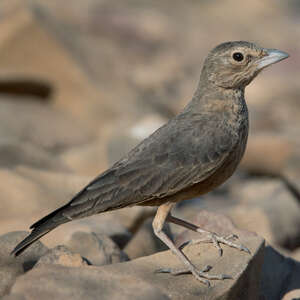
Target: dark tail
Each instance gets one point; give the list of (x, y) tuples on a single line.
[(40, 228)]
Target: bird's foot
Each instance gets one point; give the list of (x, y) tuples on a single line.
[(217, 240), (200, 275)]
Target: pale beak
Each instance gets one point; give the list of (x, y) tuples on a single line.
[(273, 56)]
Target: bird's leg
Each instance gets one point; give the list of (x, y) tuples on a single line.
[(211, 236), (158, 223)]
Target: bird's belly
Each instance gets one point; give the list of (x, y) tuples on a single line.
[(219, 176)]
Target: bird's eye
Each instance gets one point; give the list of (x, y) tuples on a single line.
[(238, 56)]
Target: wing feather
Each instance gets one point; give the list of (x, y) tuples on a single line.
[(176, 156)]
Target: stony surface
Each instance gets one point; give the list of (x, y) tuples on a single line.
[(141, 280)]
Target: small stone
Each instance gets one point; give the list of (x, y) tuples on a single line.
[(61, 255), (99, 249)]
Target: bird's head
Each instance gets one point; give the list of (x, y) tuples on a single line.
[(235, 64)]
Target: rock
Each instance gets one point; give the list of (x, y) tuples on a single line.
[(292, 295), (137, 280), (106, 223), (209, 221), (291, 174), (278, 149), (296, 254), (88, 159), (61, 255), (145, 242), (14, 297), (20, 195), (60, 185), (28, 258), (262, 203), (29, 193), (8, 275), (41, 53), (41, 125), (280, 276), (11, 266), (14, 154), (99, 249), (133, 217)]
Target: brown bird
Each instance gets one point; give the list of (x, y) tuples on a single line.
[(192, 154)]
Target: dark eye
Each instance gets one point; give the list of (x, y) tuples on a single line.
[(238, 56)]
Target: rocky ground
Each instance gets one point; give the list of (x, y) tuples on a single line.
[(80, 85)]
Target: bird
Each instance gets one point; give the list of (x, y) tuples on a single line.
[(192, 154)]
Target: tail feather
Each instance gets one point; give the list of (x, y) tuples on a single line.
[(31, 238), (40, 228)]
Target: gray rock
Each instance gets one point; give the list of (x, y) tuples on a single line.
[(10, 266), (61, 255), (268, 207), (8, 275), (99, 249), (108, 224), (137, 280), (280, 276), (13, 154), (14, 297)]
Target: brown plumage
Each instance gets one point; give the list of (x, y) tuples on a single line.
[(190, 155)]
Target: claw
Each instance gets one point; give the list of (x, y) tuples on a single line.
[(245, 249), (163, 270)]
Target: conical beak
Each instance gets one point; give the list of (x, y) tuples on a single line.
[(272, 56)]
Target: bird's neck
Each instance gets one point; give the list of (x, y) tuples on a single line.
[(214, 97)]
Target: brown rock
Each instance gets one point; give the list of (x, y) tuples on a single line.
[(41, 125), (269, 208), (14, 297), (88, 159), (136, 279), (20, 196), (38, 62), (14, 154), (99, 249), (61, 255), (267, 154)]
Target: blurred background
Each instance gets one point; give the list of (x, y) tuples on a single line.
[(82, 82)]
